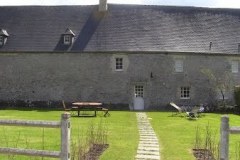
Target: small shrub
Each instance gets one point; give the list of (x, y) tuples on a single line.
[(205, 146), (92, 145)]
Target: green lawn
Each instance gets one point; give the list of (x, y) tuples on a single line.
[(176, 134), (121, 128)]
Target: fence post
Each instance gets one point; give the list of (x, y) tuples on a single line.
[(65, 136), (224, 141)]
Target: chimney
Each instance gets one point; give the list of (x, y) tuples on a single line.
[(102, 6)]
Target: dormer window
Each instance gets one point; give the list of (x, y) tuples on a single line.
[(68, 37), (1, 40), (3, 37)]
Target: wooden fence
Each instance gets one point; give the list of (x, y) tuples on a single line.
[(64, 124), (224, 139)]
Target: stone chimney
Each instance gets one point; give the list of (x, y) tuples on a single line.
[(102, 6)]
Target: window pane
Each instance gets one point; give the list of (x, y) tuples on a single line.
[(119, 63), (234, 66), (138, 91), (179, 65), (1, 40), (185, 92), (67, 39)]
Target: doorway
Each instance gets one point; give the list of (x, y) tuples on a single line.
[(138, 97)]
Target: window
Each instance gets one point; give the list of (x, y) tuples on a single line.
[(119, 64), (234, 66), (179, 65), (139, 91), (67, 39), (1, 40), (185, 93)]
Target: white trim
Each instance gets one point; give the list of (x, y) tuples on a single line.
[(185, 98)]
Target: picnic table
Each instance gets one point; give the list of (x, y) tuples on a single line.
[(86, 106)]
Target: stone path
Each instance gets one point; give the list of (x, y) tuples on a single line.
[(148, 147)]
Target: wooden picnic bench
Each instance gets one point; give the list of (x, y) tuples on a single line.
[(90, 106), (105, 110)]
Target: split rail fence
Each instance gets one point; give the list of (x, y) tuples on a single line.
[(64, 124), (224, 133)]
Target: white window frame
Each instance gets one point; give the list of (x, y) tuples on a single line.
[(185, 92), (178, 65), (139, 91), (119, 63), (234, 66), (67, 39)]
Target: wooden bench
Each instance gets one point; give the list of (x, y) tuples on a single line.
[(71, 109), (84, 110), (105, 110)]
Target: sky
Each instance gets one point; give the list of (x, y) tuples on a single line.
[(196, 3)]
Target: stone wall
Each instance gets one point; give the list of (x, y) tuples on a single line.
[(48, 77)]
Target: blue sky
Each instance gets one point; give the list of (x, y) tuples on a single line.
[(198, 3)]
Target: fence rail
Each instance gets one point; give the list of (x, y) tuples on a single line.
[(30, 152), (64, 124), (45, 124), (224, 139), (234, 130)]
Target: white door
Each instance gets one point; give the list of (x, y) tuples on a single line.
[(138, 97)]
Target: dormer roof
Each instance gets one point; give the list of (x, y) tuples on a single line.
[(3, 32), (69, 32)]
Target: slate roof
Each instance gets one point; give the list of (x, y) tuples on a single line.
[(121, 28)]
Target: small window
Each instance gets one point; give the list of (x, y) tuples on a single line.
[(139, 91), (67, 39), (185, 92), (179, 65), (1, 40), (119, 64), (234, 66)]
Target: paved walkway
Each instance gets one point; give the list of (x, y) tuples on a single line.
[(148, 147)]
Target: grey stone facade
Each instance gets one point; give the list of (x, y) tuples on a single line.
[(92, 77), (112, 53)]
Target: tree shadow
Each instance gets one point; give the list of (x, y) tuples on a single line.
[(88, 31)]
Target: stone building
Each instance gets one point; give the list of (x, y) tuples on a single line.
[(113, 53)]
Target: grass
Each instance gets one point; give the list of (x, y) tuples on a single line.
[(176, 134), (121, 128)]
